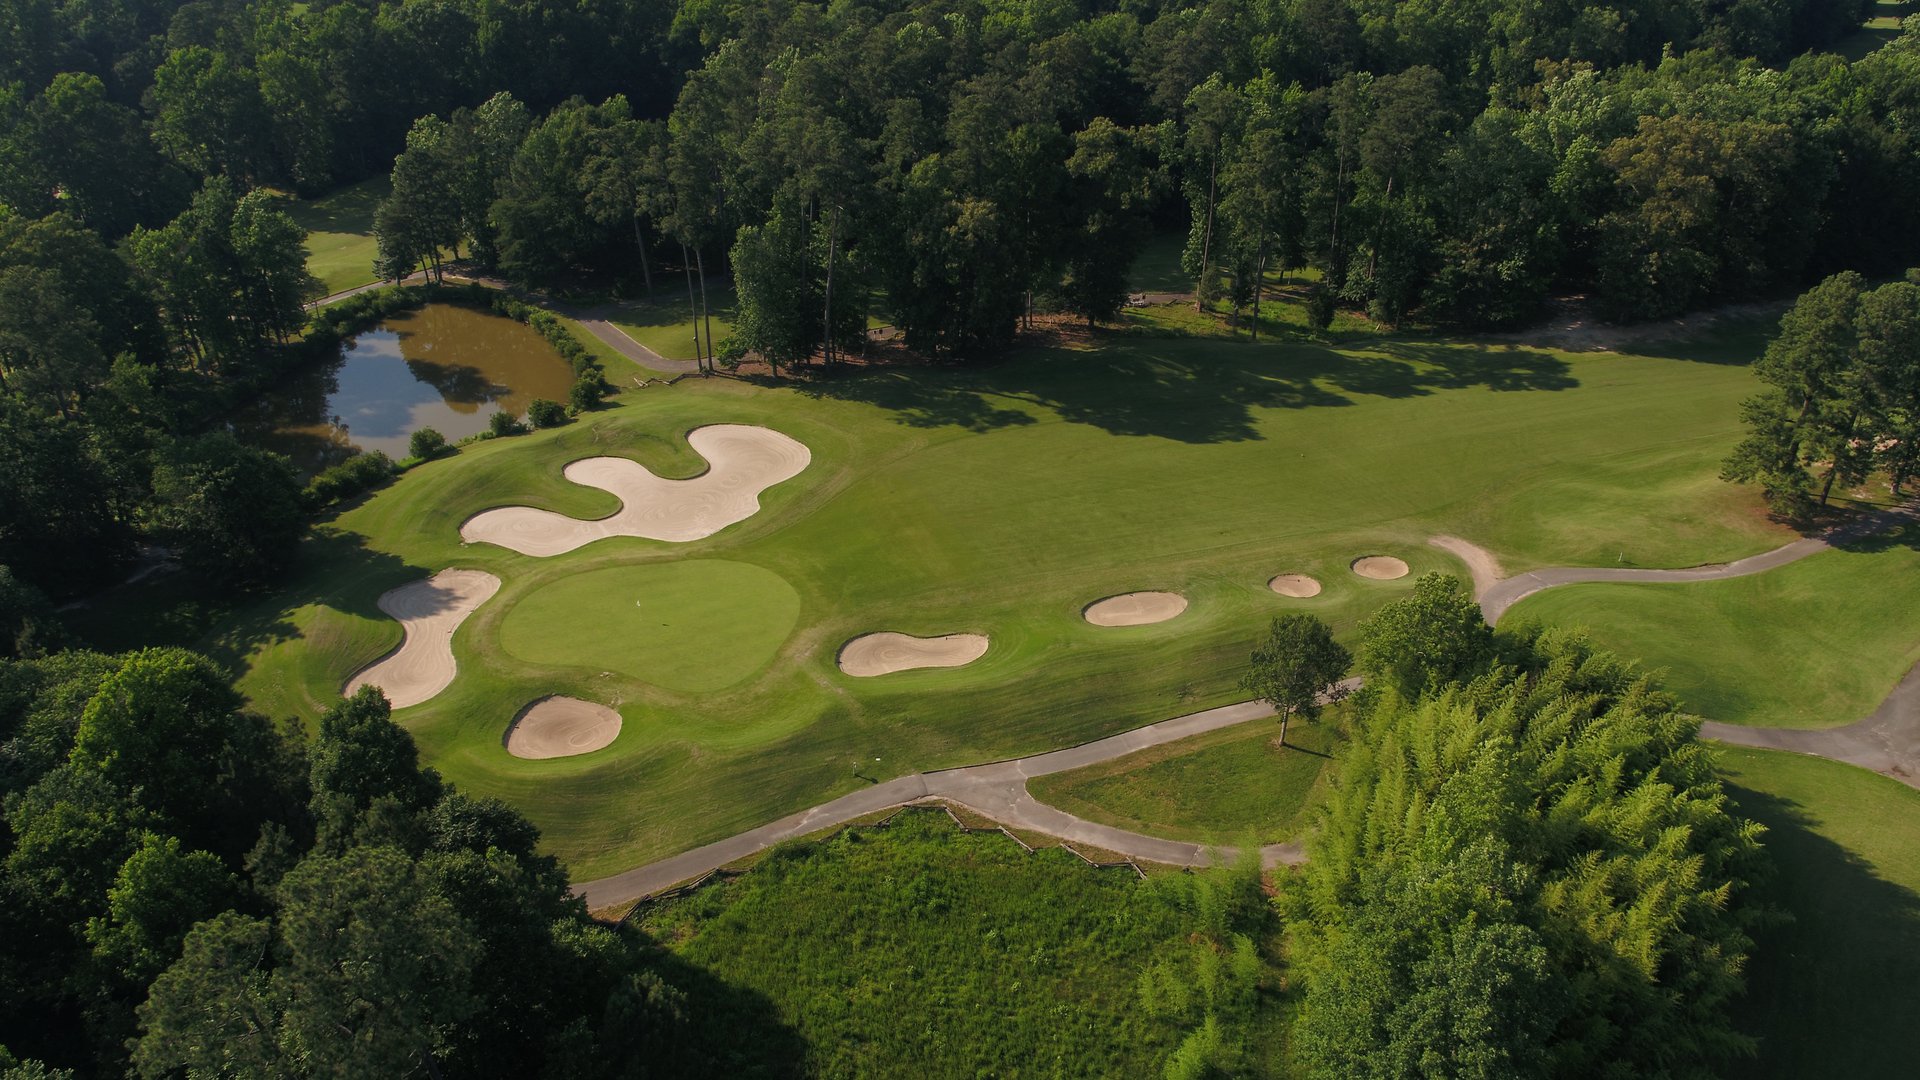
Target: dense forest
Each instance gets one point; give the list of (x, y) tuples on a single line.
[(1528, 832)]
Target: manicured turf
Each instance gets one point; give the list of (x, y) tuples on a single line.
[(883, 952), (1001, 499), (1832, 992), (1223, 787), (340, 245), (1812, 644), (663, 322), (699, 625)]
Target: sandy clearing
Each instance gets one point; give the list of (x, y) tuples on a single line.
[(743, 460), (557, 726), (887, 652), (429, 612), (1486, 570), (1380, 567), (1135, 609), (1298, 586)]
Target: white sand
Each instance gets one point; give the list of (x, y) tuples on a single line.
[(561, 727), (1299, 586), (1380, 567), (742, 462), (1135, 609), (886, 653), (429, 612)]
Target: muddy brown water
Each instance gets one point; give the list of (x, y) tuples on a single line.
[(445, 367)]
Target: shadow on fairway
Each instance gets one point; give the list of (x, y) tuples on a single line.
[(1186, 390), (1829, 993)]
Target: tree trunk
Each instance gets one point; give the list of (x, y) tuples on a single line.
[(1206, 234), (1833, 470), (1285, 716), (640, 241), (700, 259), (1386, 205), (1259, 286), (826, 315), (693, 310)]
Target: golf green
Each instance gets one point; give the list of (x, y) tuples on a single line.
[(692, 626)]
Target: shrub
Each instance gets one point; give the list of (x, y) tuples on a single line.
[(502, 424), (361, 472), (542, 413), (426, 443), (587, 391)]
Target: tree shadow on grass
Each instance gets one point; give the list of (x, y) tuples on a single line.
[(1831, 992), (1187, 391), (730, 1030)]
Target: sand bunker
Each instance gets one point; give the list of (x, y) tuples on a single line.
[(1380, 567), (742, 462), (1135, 609), (886, 653), (1299, 586), (561, 727), (429, 612)]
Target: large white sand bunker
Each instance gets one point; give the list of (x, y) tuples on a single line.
[(1135, 609), (1380, 567), (1298, 586), (887, 652), (742, 461), (561, 727), (429, 612)]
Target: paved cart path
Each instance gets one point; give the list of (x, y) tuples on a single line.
[(1887, 742)]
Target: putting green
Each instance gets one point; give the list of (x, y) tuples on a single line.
[(692, 626)]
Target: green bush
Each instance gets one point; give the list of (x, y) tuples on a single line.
[(587, 392), (426, 444), (502, 424), (542, 413), (361, 472)]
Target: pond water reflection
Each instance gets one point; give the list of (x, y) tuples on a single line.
[(445, 367)]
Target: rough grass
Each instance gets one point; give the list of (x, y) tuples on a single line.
[(664, 323), (1001, 499), (1223, 787), (340, 244), (1832, 992), (918, 951), (1815, 643)]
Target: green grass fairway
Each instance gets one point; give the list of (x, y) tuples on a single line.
[(663, 322), (1833, 992), (1815, 643), (340, 245), (880, 952), (1219, 788), (999, 498), (695, 626)]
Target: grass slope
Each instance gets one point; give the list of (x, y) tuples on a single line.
[(340, 244), (919, 951), (1832, 992), (1001, 499), (663, 322), (1219, 788), (1813, 644)]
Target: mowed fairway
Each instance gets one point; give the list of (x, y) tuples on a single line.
[(997, 501), (1832, 992), (340, 243), (1816, 643), (699, 625)]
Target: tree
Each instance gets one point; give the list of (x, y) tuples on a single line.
[(420, 218), (1109, 184), (161, 891), (208, 115), (227, 509), (215, 1011), (1296, 667), (1434, 636), (1889, 327), (359, 757)]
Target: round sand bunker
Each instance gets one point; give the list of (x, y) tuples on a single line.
[(1380, 567), (561, 727), (886, 653), (1135, 609), (1298, 586)]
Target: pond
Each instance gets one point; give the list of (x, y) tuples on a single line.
[(446, 367)]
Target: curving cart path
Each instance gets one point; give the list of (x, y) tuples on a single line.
[(1887, 742)]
